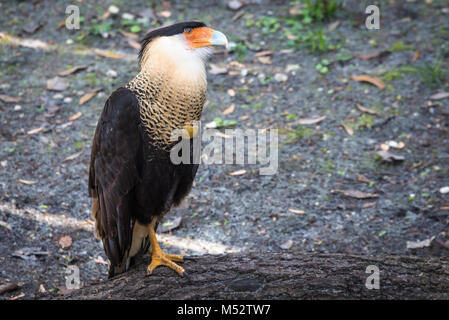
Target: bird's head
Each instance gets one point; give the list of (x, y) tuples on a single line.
[(184, 45)]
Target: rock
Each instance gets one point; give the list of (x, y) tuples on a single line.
[(215, 69), (67, 100), (58, 96), (280, 77), (57, 84), (127, 16), (292, 67), (111, 73), (17, 107), (286, 245), (444, 190), (113, 9), (234, 5)]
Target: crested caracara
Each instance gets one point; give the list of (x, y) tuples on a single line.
[(132, 180)]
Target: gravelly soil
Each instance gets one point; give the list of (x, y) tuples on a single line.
[(227, 213)]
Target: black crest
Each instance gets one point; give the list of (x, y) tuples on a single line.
[(167, 31)]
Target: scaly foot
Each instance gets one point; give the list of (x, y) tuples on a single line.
[(159, 258)]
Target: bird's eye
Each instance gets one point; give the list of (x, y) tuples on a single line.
[(188, 30)]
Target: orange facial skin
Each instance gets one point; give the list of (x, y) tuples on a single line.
[(198, 37)]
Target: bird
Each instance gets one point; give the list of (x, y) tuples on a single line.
[(132, 181)]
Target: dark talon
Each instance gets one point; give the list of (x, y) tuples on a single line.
[(187, 276)]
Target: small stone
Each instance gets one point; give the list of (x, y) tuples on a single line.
[(444, 190), (4, 163), (280, 77), (67, 100), (58, 96), (231, 92), (292, 67), (127, 16), (244, 72), (234, 5), (69, 41), (113, 9), (111, 73), (17, 107), (286, 245)]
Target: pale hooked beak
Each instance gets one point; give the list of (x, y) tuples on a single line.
[(219, 39)]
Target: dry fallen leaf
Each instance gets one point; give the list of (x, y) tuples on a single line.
[(296, 211), (367, 56), (369, 205), (419, 244), (100, 260), (440, 96), (348, 129), (366, 110), (416, 55), (61, 24), (362, 178), (311, 120), (229, 109), (26, 181), (24, 42), (237, 173), (333, 25), (265, 60), (57, 84), (71, 70), (164, 14), (65, 242), (18, 296), (263, 53), (130, 35), (75, 116), (358, 194), (215, 69), (73, 156), (42, 288), (110, 55), (372, 80), (134, 44), (389, 157), (86, 97), (8, 99), (33, 131)]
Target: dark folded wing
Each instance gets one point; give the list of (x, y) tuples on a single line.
[(116, 160)]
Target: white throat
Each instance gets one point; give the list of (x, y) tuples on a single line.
[(172, 57)]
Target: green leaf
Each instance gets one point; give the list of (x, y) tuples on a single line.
[(135, 29)]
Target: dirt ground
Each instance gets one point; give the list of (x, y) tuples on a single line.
[(313, 202)]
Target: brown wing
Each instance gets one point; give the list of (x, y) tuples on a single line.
[(114, 172)]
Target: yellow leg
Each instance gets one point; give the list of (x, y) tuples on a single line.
[(158, 257)]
